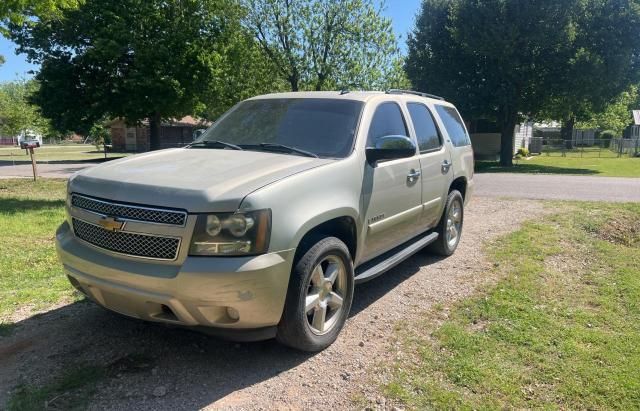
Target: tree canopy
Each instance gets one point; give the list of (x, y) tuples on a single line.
[(326, 44), (616, 116), (504, 59), (19, 11), (17, 115), (134, 59)]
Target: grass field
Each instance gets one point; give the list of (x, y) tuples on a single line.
[(558, 331), (76, 152), (608, 167), (30, 274)]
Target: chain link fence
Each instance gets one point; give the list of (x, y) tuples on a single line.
[(612, 148)]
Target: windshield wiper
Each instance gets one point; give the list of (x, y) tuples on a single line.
[(207, 143), (282, 147)]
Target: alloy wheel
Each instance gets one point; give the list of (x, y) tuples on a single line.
[(326, 291)]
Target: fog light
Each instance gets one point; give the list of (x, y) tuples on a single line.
[(233, 313)]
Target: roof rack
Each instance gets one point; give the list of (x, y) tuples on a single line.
[(415, 93)]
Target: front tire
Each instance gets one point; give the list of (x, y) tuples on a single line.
[(319, 296), (449, 228)]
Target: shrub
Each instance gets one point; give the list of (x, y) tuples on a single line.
[(607, 135), (523, 152)]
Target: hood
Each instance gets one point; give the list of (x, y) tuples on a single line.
[(197, 180)]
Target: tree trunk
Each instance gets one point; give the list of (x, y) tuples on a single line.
[(293, 81), (155, 122), (566, 132), (506, 140)]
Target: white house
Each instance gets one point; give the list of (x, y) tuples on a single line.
[(485, 139)]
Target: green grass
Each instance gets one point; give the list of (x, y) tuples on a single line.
[(30, 272), (559, 330), (74, 388), (543, 164), (71, 391), (76, 152)]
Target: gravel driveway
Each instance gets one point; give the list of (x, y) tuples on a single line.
[(190, 371)]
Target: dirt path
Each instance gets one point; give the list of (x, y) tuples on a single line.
[(191, 371)]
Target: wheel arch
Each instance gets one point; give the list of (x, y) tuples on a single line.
[(459, 184), (342, 225)]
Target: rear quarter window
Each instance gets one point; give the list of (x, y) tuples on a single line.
[(454, 126)]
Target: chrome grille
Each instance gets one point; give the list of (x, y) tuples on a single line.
[(139, 213), (139, 245)]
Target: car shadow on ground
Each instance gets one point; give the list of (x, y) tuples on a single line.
[(194, 368)]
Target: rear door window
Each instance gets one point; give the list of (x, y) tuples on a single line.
[(454, 126), (426, 130)]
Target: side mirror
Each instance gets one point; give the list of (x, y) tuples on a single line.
[(391, 148)]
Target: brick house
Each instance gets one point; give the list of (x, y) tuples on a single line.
[(174, 133)]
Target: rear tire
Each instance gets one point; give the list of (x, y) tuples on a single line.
[(319, 296), (449, 228)]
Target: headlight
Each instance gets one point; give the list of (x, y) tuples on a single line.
[(231, 233)]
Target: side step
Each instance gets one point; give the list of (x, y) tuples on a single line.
[(372, 269)]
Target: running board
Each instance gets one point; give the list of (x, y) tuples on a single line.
[(370, 270)]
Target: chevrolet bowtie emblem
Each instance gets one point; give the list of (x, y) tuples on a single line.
[(111, 223)]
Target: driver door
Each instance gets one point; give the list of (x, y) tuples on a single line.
[(392, 189)]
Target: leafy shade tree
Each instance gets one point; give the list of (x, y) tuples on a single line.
[(616, 116), (326, 44), (134, 59), (502, 59), (17, 115), (603, 62), (2, 60), (19, 11)]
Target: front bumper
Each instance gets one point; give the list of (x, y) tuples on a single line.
[(201, 291)]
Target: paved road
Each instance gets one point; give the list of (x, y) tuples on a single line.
[(529, 186), (8, 170), (557, 187)]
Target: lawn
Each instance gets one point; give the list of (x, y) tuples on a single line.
[(75, 152), (30, 274), (558, 330), (599, 166)]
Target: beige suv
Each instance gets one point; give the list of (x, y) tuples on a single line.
[(261, 227)]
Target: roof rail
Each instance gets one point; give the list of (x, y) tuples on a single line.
[(416, 93)]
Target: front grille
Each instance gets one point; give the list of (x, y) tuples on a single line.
[(139, 213), (139, 245)]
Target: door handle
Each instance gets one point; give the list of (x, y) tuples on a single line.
[(413, 175), (446, 165)]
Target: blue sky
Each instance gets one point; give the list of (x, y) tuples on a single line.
[(401, 12)]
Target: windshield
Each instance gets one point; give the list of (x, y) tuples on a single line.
[(324, 127)]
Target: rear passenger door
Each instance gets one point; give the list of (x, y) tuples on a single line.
[(391, 192), (462, 153), (435, 163)]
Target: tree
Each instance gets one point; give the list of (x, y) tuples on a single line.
[(503, 59), (17, 115), (100, 135), (325, 44), (602, 62), (134, 59), (19, 11), (616, 116)]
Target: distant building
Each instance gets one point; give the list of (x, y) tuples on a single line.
[(633, 131), (173, 133), (485, 138)]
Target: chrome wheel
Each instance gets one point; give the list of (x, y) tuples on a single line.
[(326, 291), (454, 223)]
